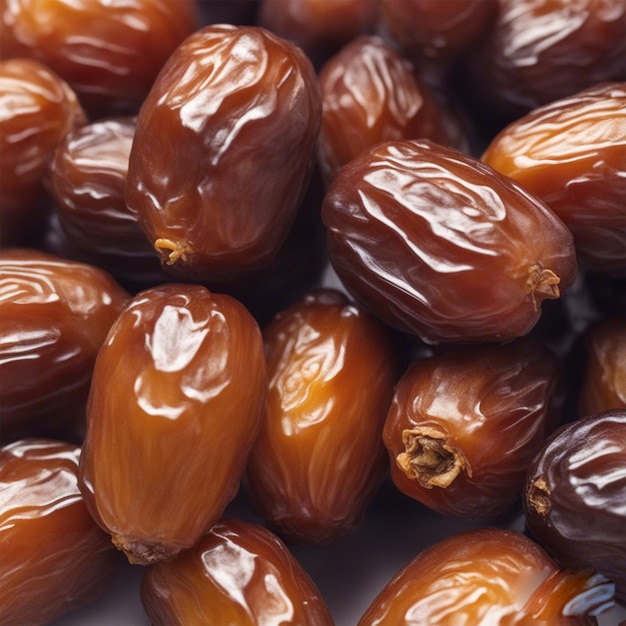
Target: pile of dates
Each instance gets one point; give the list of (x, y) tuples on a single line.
[(291, 290)]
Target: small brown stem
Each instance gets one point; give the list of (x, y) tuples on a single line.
[(539, 497), (176, 250), (543, 283), (142, 553)]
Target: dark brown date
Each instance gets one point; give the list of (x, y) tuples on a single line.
[(575, 495), (331, 371), (37, 109), (54, 316), (175, 404), (55, 558), (485, 577), (438, 244), (224, 150), (464, 425), (571, 154), (238, 573)]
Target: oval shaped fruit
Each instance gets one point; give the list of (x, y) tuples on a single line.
[(570, 153), (55, 558), (54, 316), (224, 150), (238, 573), (331, 371), (464, 425), (440, 245), (175, 404), (575, 495)]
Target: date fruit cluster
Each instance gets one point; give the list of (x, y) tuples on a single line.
[(279, 277)]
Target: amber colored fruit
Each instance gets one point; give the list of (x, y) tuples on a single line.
[(438, 244), (464, 425), (176, 401), (370, 93), (331, 371), (571, 154), (575, 495), (37, 109), (238, 573), (485, 577), (54, 316), (224, 150), (55, 558), (109, 52)]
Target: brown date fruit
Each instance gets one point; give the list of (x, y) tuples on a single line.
[(55, 558), (37, 109), (464, 425), (109, 52), (224, 150), (319, 458), (485, 577), (238, 573), (575, 495), (438, 244), (54, 316), (175, 404), (370, 93), (571, 153)]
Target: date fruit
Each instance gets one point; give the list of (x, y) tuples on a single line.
[(440, 245), (224, 150), (55, 558), (175, 404), (238, 573), (331, 372), (575, 495)]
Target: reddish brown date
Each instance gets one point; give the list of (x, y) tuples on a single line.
[(571, 153), (224, 150), (575, 495), (55, 558), (109, 52), (175, 404), (485, 577), (464, 425), (331, 371), (238, 573), (54, 316), (37, 109), (438, 244)]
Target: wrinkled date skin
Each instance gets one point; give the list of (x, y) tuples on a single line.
[(575, 495), (370, 93), (464, 425), (175, 404), (238, 573), (54, 316), (319, 457), (87, 179), (55, 558), (224, 150), (485, 577), (109, 52), (571, 154), (442, 246), (37, 109)]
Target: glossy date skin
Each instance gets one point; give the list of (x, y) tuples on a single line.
[(238, 573), (485, 577), (575, 495), (54, 316), (175, 404), (570, 153), (331, 371), (464, 425), (110, 53), (37, 109), (437, 244), (224, 150), (55, 558)]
